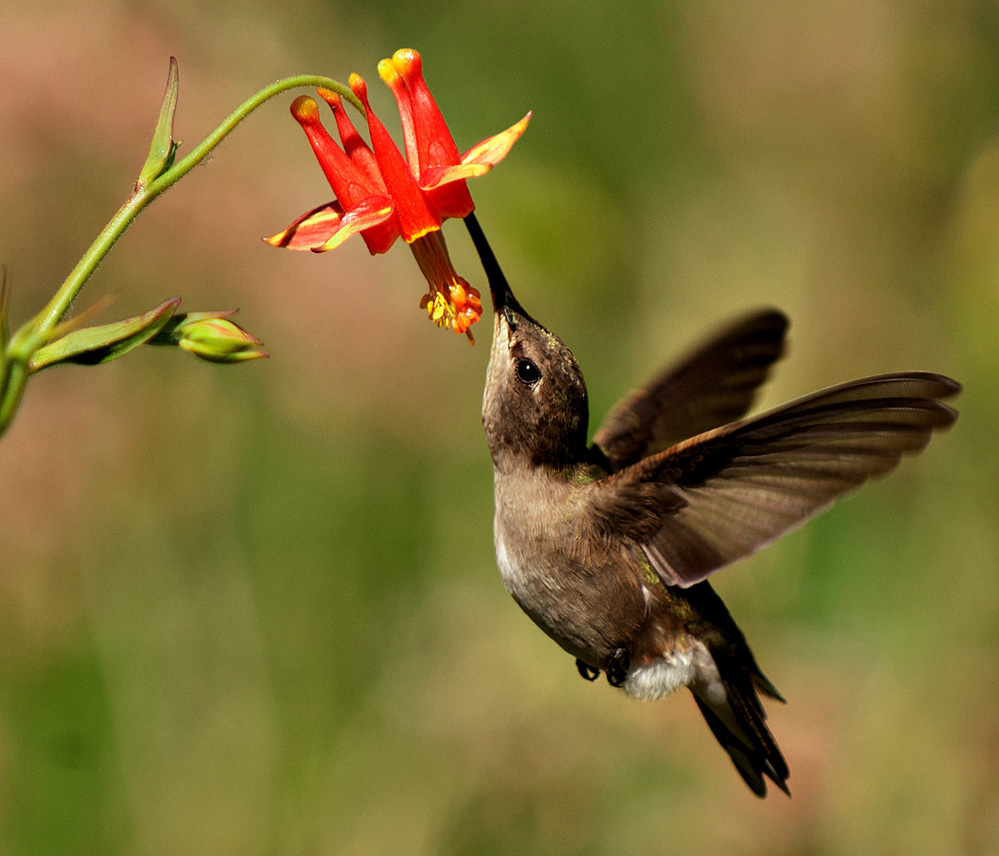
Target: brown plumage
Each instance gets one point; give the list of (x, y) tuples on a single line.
[(608, 547)]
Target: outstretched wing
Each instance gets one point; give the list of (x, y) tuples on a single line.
[(714, 384), (724, 494)]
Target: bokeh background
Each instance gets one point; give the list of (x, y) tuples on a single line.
[(254, 609)]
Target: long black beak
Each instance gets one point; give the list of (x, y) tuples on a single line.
[(498, 286)]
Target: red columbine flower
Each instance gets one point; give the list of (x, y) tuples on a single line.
[(382, 195)]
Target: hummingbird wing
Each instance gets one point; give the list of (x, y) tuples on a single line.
[(724, 494), (713, 384)]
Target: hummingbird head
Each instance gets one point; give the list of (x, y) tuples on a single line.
[(534, 408)]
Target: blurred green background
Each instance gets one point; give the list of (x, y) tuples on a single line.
[(254, 610)]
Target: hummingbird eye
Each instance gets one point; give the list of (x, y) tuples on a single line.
[(527, 372)]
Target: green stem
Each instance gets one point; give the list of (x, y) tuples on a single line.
[(34, 334), (60, 303), (15, 375), (185, 165)]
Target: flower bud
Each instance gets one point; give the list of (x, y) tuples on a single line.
[(217, 339)]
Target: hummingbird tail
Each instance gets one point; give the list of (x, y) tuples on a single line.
[(733, 710)]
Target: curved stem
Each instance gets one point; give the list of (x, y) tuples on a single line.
[(14, 363), (53, 312), (185, 165)]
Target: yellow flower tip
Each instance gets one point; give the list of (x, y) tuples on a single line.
[(389, 74), (330, 97), (358, 87), (407, 62), (305, 110)]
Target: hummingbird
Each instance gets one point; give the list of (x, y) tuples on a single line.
[(608, 546)]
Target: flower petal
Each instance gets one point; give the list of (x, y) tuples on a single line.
[(353, 143), (353, 174), (413, 213), (429, 143), (433, 141), (314, 228), (350, 184), (493, 149), (441, 175), (393, 80), (367, 213)]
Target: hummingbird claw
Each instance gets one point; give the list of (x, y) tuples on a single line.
[(587, 671), (617, 667)]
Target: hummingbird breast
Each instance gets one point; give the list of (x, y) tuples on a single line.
[(580, 589)]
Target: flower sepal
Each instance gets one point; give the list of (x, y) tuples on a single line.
[(163, 148), (492, 150), (326, 227), (91, 346)]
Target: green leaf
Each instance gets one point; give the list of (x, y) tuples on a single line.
[(90, 346), (163, 147)]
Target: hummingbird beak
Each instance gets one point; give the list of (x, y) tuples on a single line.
[(505, 305), (503, 300)]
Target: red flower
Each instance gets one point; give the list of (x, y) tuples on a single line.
[(383, 195)]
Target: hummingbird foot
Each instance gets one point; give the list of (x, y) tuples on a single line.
[(587, 671), (617, 667)]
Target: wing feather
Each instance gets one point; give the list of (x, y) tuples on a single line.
[(720, 496), (714, 384)]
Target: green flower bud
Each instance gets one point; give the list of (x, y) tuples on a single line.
[(217, 339)]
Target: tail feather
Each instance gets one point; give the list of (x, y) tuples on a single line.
[(738, 723), (727, 689), (764, 686)]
